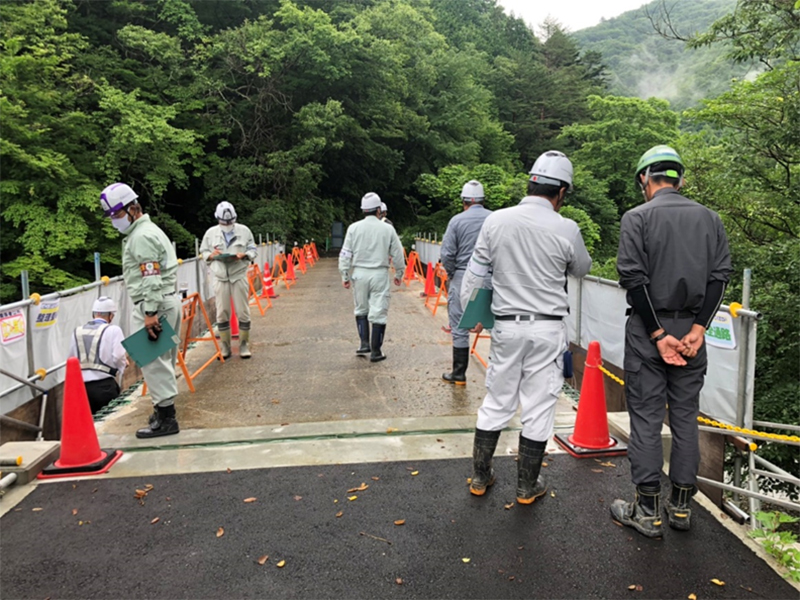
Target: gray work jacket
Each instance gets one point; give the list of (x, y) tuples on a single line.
[(529, 250), (460, 237), (675, 247)]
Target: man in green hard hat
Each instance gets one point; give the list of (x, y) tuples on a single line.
[(674, 262)]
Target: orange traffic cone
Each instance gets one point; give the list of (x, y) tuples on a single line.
[(234, 322), (430, 287), (80, 450), (267, 290), (590, 436), (290, 269)]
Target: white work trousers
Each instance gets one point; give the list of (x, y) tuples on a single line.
[(159, 375), (239, 291), (371, 293), (526, 368)]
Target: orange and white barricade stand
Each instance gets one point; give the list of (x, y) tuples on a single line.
[(281, 275), (474, 349), (314, 250), (297, 253), (309, 255), (432, 302), (189, 311), (253, 299), (267, 289)]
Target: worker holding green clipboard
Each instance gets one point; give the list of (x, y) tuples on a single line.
[(528, 251), (150, 271)]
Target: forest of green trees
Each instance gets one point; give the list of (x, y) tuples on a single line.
[(292, 110)]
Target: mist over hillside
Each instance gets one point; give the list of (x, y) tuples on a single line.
[(642, 63)]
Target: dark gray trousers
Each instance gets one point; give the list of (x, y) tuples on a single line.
[(651, 388)]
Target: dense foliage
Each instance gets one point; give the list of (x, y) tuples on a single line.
[(644, 62)]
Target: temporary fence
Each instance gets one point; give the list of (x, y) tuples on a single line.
[(35, 332)]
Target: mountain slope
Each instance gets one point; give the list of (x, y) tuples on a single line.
[(644, 64)]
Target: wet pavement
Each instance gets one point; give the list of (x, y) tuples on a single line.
[(304, 367), (202, 535)]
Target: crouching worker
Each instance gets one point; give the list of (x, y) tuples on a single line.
[(98, 347)]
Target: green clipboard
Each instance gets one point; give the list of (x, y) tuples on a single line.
[(478, 310), (143, 350), (226, 257)]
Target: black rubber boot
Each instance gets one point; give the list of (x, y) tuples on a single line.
[(643, 514), (363, 332), (678, 507), (164, 423), (460, 363), (482, 451), (378, 332), (530, 485)]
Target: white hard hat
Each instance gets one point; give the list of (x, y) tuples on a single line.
[(384, 208), (115, 197), (370, 201), (225, 213), (472, 191), (104, 304), (552, 168)]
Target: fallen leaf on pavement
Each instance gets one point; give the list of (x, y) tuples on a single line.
[(154, 521), (375, 478), (351, 498), (544, 464), (249, 500), (415, 472), (74, 511), (220, 532), (148, 487), (409, 468), (692, 597), (717, 582), (263, 559), (284, 424), (281, 564), (139, 494), (465, 560), (276, 401), (37, 509), (400, 522), (508, 506), (469, 479), (335, 501), (398, 581), (597, 470), (631, 587), (607, 464), (552, 494), (228, 469), (511, 578), (391, 430), (360, 488), (439, 440), (296, 498), (520, 547), (339, 514)]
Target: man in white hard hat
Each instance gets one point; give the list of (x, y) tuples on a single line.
[(528, 250), (364, 265), (229, 248), (98, 347), (383, 213), (150, 270), (457, 245)]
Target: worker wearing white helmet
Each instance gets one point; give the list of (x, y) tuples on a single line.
[(150, 270), (526, 251), (383, 213), (457, 245), (364, 265), (98, 347), (229, 248)]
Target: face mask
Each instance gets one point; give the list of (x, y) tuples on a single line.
[(121, 224), (226, 228)]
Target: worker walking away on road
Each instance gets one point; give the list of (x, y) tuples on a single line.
[(384, 211), (364, 265), (674, 262), (457, 245), (528, 250), (98, 347), (229, 247), (150, 271)]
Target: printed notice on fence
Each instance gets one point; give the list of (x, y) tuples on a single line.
[(12, 326), (45, 314), (720, 334)]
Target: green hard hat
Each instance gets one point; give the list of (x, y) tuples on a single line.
[(659, 154)]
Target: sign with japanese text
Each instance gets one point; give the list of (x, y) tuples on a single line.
[(45, 314), (720, 333), (12, 326)]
